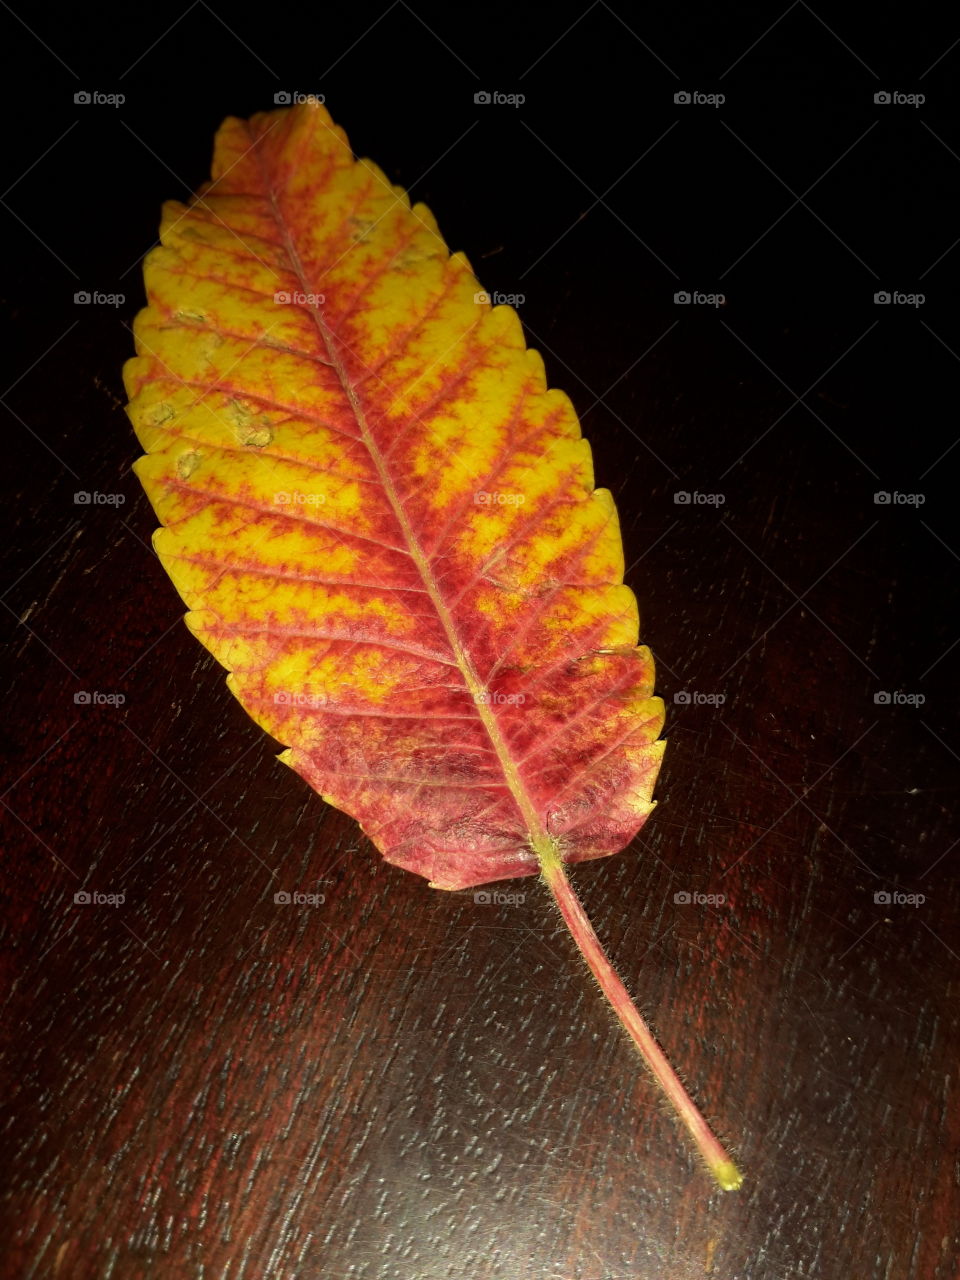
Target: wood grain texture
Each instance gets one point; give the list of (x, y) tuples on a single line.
[(403, 1083)]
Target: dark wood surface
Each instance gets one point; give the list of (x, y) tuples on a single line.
[(404, 1083)]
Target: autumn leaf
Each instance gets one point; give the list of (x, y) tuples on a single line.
[(385, 528)]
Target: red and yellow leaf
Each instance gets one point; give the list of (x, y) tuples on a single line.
[(384, 523)]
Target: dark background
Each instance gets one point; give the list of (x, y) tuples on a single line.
[(402, 1083)]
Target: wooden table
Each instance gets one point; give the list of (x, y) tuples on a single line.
[(403, 1083)]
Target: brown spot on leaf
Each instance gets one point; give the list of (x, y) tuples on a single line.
[(187, 464)]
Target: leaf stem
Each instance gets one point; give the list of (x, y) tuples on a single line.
[(554, 875)]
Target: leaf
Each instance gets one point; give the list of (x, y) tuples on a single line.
[(385, 525)]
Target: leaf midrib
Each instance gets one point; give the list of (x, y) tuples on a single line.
[(537, 834)]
